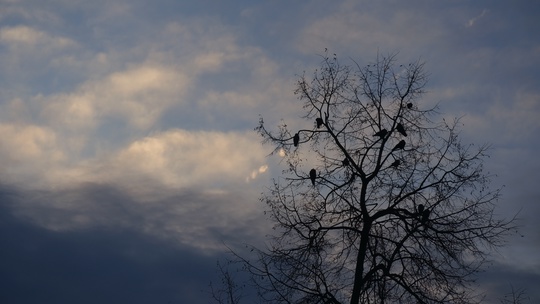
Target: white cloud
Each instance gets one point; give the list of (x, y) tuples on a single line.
[(138, 95), (21, 34), (155, 76), (255, 173), (25, 36), (178, 158), (172, 159), (472, 21), (28, 153), (27, 143)]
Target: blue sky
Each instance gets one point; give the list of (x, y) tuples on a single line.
[(128, 156)]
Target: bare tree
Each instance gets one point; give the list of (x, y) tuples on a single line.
[(515, 296), (229, 290), (378, 202)]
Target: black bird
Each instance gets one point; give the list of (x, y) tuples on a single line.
[(400, 145), (382, 133), (425, 218), (409, 105), (313, 176), (420, 208), (396, 163), (296, 139), (345, 162), (319, 122), (401, 129)]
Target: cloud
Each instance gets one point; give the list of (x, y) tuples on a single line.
[(22, 37), (180, 158), (174, 158), (71, 119), (190, 218), (21, 34), (98, 153), (185, 186), (137, 95), (99, 265), (508, 119), (357, 28), (255, 173), (28, 152), (472, 21)]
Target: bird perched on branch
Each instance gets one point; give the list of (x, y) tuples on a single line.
[(319, 122), (345, 162), (382, 133), (313, 176), (296, 139), (401, 129), (400, 145), (409, 105), (425, 218), (420, 209), (396, 163)]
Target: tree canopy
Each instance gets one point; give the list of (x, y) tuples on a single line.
[(379, 201)]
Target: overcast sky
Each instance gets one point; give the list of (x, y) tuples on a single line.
[(127, 151)]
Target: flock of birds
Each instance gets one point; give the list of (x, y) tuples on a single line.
[(381, 134), (421, 211)]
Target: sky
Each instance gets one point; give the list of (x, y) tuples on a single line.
[(128, 159)]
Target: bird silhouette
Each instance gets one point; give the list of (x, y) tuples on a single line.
[(382, 133), (396, 163), (425, 218), (400, 145), (401, 129), (319, 122), (313, 176), (409, 105), (345, 162), (420, 209), (296, 139)]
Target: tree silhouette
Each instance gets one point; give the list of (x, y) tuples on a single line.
[(515, 296), (401, 210), (229, 291)]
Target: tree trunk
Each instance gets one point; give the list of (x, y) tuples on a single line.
[(359, 271)]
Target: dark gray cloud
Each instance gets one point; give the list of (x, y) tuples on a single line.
[(96, 266), (100, 263), (191, 218)]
